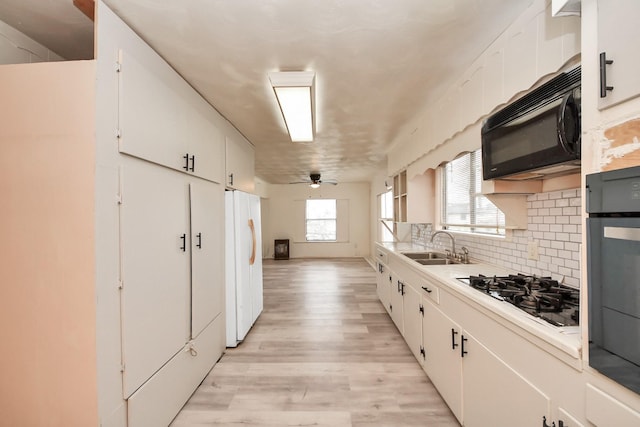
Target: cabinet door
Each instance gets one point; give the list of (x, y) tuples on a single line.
[(397, 302), (205, 141), (513, 400), (443, 364), (163, 120), (381, 282), (384, 287), (151, 113), (207, 278), (413, 316), (154, 246), (240, 164), (618, 31)]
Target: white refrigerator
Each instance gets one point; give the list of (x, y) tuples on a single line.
[(243, 264)]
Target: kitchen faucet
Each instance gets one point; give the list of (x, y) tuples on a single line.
[(453, 240)]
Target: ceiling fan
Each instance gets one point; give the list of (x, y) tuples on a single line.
[(315, 181)]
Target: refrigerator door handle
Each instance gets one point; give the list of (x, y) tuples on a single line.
[(253, 242)]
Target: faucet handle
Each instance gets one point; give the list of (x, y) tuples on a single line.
[(465, 255)]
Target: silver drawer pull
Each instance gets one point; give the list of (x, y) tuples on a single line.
[(622, 233)]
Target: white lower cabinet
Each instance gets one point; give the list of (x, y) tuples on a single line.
[(413, 311), (493, 394), (397, 301), (442, 362), (154, 227), (207, 225), (477, 385), (568, 420), (603, 409), (160, 398), (172, 287), (383, 285)]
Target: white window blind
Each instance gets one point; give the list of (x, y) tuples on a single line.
[(386, 216), (464, 207), (321, 220)]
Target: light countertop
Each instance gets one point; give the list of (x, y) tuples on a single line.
[(566, 339)]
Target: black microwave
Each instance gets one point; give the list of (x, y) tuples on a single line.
[(538, 135)]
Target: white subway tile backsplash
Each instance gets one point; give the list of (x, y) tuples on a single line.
[(555, 211), (553, 222)]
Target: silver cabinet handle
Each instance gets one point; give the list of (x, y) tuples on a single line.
[(622, 233)]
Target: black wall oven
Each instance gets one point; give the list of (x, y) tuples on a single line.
[(613, 254)]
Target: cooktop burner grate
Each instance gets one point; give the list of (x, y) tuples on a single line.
[(541, 297)]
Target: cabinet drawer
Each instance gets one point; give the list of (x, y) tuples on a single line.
[(431, 292), (159, 399), (382, 256)]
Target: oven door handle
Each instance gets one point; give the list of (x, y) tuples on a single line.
[(622, 233)]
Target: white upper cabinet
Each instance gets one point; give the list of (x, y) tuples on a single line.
[(240, 164), (618, 33), (162, 120), (520, 56)]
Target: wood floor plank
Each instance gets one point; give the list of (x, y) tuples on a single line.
[(324, 352)]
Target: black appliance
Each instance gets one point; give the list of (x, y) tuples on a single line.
[(537, 135), (613, 265), (541, 297)]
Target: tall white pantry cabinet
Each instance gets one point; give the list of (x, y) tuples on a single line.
[(113, 250)]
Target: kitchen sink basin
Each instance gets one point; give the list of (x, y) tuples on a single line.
[(436, 261), (431, 258), (424, 255)]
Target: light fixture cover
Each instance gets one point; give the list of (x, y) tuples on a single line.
[(295, 94), (314, 185)]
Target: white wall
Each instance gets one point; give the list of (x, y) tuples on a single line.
[(283, 219), (16, 48)]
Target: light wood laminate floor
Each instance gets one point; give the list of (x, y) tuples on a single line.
[(323, 353)]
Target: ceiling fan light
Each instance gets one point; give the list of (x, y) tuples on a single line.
[(314, 185), (295, 94)]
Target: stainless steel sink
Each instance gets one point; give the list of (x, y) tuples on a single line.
[(436, 261), (431, 258), (424, 255)]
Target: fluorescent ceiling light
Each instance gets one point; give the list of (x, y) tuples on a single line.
[(295, 93)]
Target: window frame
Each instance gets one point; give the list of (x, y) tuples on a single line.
[(497, 229), (384, 232), (307, 219)]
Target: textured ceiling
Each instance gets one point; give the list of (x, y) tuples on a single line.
[(377, 64)]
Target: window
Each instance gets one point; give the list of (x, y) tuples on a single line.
[(464, 208), (321, 216), (385, 206)]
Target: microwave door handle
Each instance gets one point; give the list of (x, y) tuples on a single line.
[(567, 102)]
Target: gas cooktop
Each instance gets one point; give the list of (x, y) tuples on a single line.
[(542, 297)]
